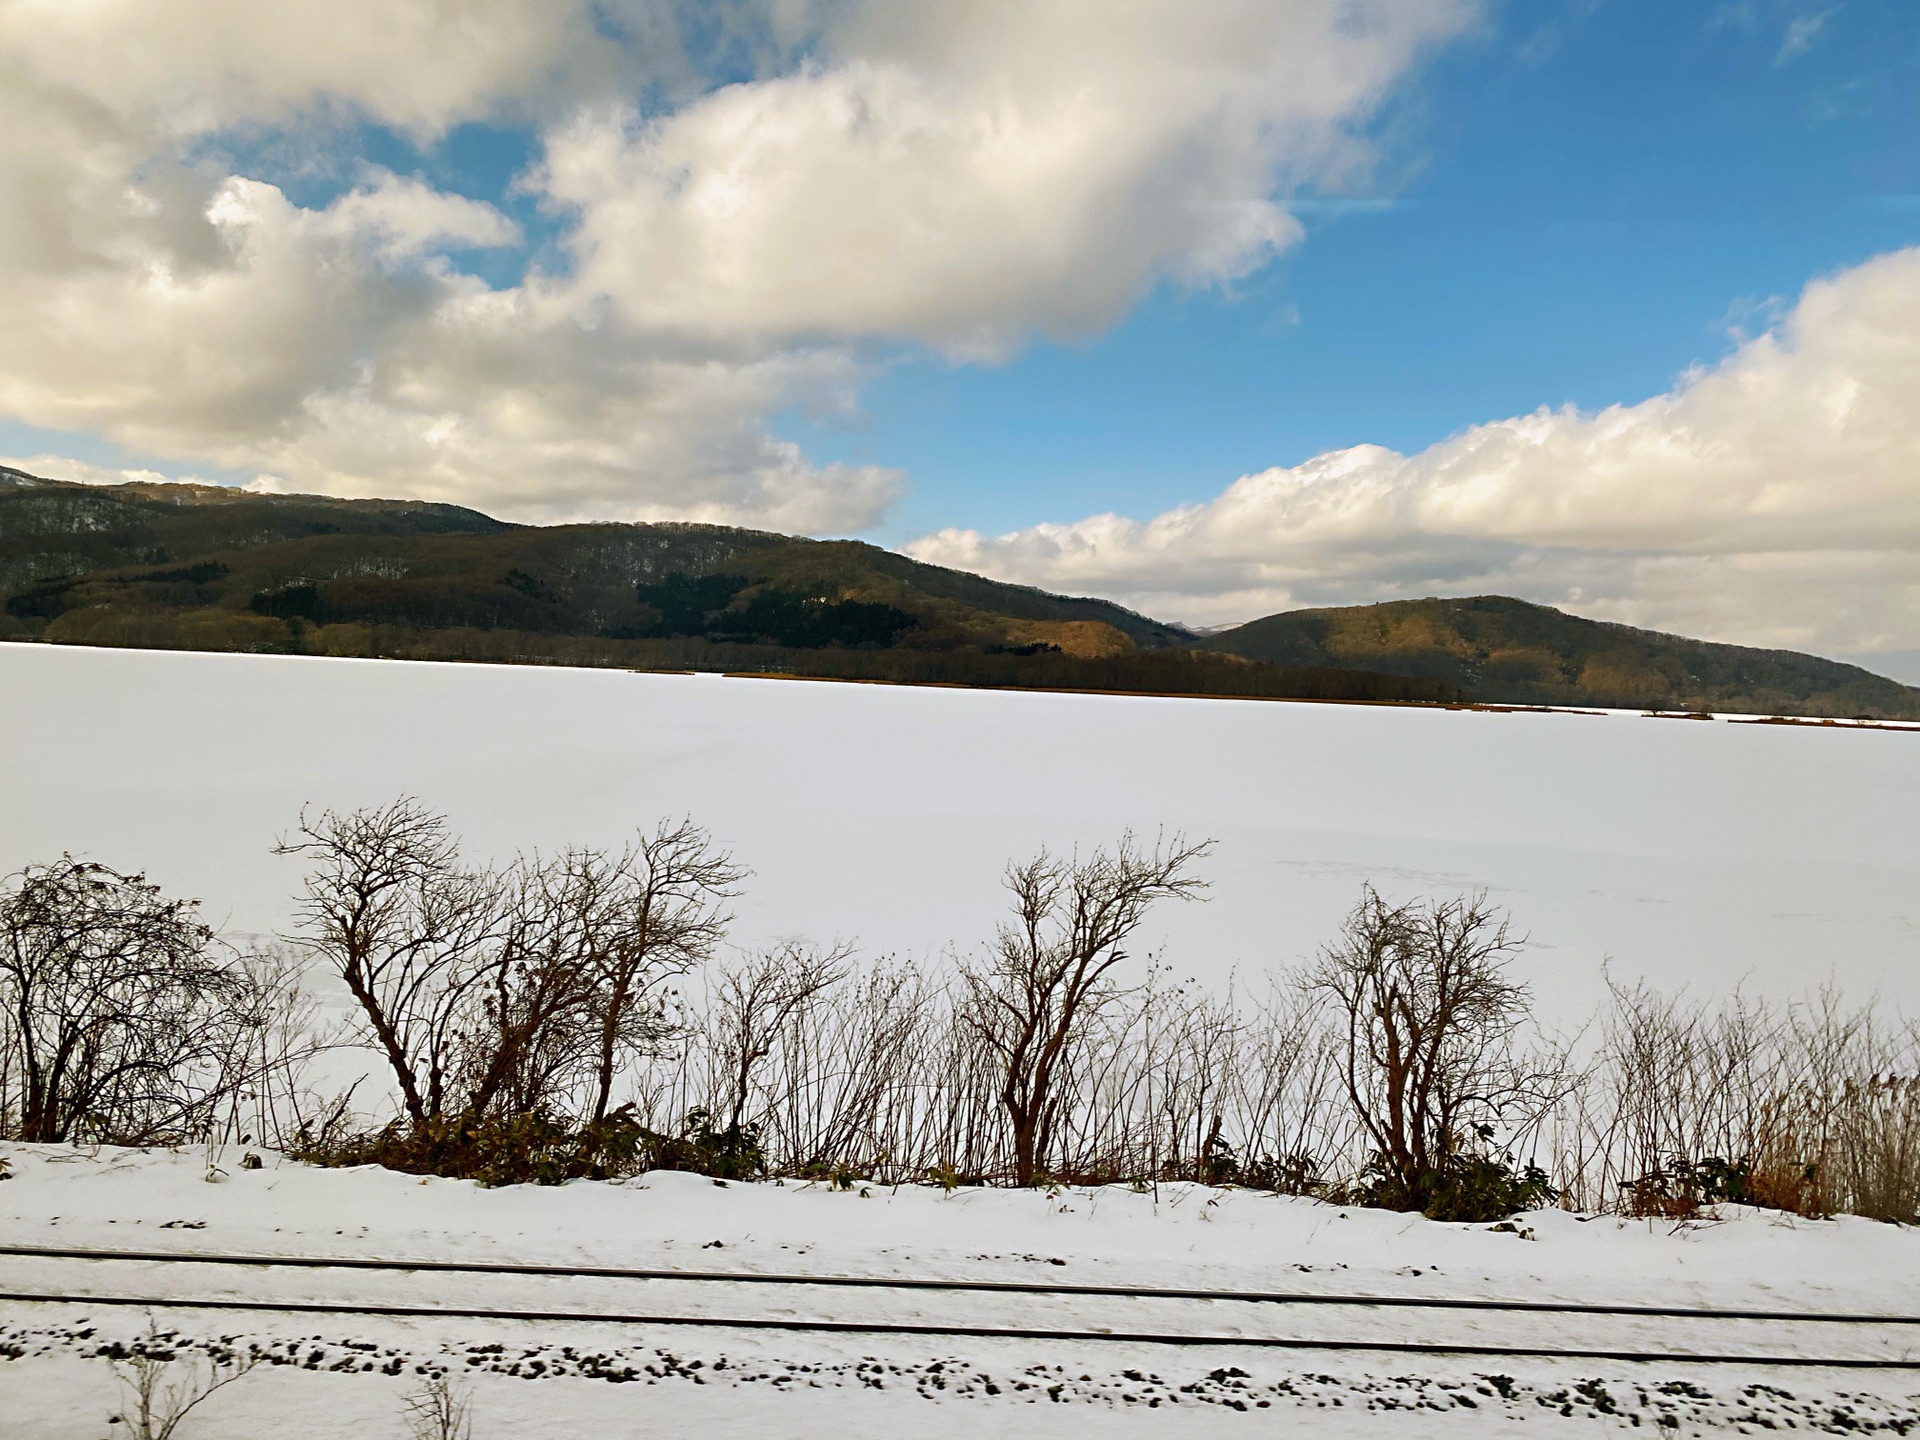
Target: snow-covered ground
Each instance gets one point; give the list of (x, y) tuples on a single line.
[(1704, 854), (1700, 854), (348, 1374)]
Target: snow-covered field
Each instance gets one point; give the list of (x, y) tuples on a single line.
[(1704, 854), (336, 1375)]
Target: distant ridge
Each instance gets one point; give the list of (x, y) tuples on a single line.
[(198, 567), (1508, 651), (208, 567)]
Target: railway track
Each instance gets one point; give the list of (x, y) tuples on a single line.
[(1896, 1336)]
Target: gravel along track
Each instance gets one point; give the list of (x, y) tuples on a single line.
[(884, 1305)]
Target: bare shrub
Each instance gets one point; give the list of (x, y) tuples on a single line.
[(644, 917), (568, 1016), (159, 1390), (754, 1006), (1143, 1094), (438, 1409), (1806, 1107), (491, 993), (844, 1082), (883, 1074), (1427, 1021), (1290, 1109), (391, 910), (1687, 1092), (269, 1098), (125, 1019), (1046, 977)]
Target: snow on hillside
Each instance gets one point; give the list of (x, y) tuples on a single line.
[(337, 1374), (1702, 854)]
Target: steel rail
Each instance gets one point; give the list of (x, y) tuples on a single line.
[(970, 1332), (1004, 1287)]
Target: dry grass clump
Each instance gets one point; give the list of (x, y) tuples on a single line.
[(1808, 1108)]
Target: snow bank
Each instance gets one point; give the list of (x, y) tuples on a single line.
[(1166, 1236), (339, 1374)]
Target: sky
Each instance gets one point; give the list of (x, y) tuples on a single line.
[(1215, 309)]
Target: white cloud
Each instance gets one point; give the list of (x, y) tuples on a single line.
[(1801, 35), (60, 467), (400, 219), (197, 66), (965, 174), (961, 173), (1772, 499)]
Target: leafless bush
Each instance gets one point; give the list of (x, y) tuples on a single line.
[(159, 1390), (644, 917), (757, 1007), (569, 1015), (841, 1093), (1047, 976), (504, 992), (1682, 1086), (270, 1096), (125, 1019), (1290, 1110), (1427, 1021), (438, 1409), (882, 1074), (389, 907)]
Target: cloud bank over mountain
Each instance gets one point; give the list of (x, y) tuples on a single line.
[(732, 222), (1772, 499)]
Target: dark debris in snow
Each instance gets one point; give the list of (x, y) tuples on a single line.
[(1637, 1401)]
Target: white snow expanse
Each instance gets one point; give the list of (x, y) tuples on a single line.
[(1704, 854), (1700, 854)]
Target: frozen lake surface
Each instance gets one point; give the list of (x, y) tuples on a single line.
[(1705, 855)]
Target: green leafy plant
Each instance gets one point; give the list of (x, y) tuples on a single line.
[(539, 1149), (1464, 1187)]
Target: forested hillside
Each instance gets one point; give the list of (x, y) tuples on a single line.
[(206, 567), (1508, 651), (210, 568)]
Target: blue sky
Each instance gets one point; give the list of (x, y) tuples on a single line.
[(1584, 207)]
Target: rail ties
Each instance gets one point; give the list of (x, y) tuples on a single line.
[(1907, 1358)]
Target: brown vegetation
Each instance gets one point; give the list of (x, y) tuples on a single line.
[(573, 1016), (1507, 651), (1046, 979)]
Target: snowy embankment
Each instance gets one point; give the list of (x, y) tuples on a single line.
[(335, 1373)]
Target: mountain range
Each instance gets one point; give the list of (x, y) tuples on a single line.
[(180, 566)]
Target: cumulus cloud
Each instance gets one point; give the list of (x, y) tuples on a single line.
[(200, 65), (954, 173), (966, 173), (1772, 499)]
